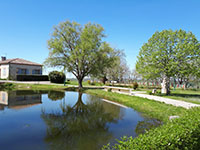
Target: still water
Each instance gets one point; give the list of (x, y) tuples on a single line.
[(55, 120)]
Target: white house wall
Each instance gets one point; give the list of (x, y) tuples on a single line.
[(4, 75)]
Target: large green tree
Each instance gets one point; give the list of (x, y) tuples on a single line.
[(78, 49), (169, 54)]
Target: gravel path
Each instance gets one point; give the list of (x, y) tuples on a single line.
[(177, 103), (142, 94)]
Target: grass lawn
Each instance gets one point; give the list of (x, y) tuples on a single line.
[(85, 83), (149, 108), (38, 87)]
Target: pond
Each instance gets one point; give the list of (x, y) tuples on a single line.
[(65, 121)]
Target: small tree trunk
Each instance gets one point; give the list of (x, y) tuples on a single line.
[(80, 86), (104, 79), (185, 83), (165, 86)]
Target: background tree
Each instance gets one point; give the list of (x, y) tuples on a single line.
[(106, 62), (118, 70), (169, 54), (135, 76), (78, 49)]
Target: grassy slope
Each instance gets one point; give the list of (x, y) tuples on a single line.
[(147, 107)]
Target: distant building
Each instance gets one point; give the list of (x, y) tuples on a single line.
[(10, 68)]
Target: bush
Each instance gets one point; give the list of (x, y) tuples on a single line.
[(89, 82), (181, 133), (108, 84), (32, 78), (149, 92), (135, 85), (109, 90), (93, 83), (68, 82), (6, 86), (57, 77)]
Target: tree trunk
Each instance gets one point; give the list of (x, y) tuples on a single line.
[(165, 86), (104, 79), (186, 83), (80, 86)]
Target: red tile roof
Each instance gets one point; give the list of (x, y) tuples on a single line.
[(19, 61)]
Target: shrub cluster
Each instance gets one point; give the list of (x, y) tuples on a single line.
[(32, 78), (109, 90), (6, 86), (135, 85), (68, 82), (181, 133), (91, 82), (57, 77)]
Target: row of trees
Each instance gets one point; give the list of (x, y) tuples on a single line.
[(82, 51)]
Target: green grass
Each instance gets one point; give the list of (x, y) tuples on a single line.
[(6, 86), (179, 134), (85, 83), (38, 87), (148, 108)]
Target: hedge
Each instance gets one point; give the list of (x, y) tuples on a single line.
[(179, 134), (32, 78), (57, 77)]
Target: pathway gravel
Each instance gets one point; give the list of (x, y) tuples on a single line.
[(177, 103)]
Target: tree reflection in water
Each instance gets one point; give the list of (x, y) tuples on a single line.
[(56, 95), (82, 126)]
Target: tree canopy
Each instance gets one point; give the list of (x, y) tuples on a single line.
[(169, 54), (119, 70), (79, 49), (114, 68)]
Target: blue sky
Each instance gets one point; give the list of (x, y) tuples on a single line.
[(26, 25)]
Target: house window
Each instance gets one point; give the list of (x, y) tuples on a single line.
[(36, 71), (22, 71)]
